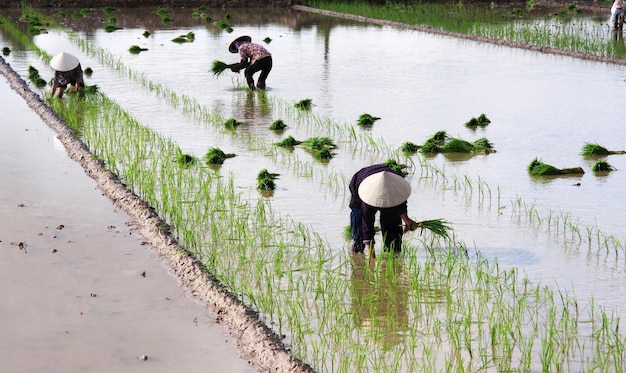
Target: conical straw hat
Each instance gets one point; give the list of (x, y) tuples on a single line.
[(232, 48), (64, 62), (384, 189)]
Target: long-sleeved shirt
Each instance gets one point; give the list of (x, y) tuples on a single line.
[(252, 52)]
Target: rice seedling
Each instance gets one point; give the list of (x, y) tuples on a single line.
[(111, 28), (135, 49), (146, 34), (162, 11), (288, 142), (278, 125), (455, 145), (33, 76), (320, 147), (267, 40), (482, 145), (218, 67), (186, 38), (594, 149), (88, 71), (430, 146), (481, 121), (109, 9), (396, 167), (232, 123), (304, 104), (602, 166), (266, 180), (185, 160), (91, 89), (366, 120), (6, 51), (217, 156), (409, 147), (538, 168)]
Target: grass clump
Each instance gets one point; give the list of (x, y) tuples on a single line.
[(602, 166), (278, 125), (217, 156), (266, 180), (288, 142), (305, 104), (594, 149), (366, 119), (481, 121), (135, 49), (320, 147), (538, 168)]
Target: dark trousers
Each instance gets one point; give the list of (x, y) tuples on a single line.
[(264, 65), (390, 226)]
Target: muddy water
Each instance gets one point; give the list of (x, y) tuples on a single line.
[(540, 105)]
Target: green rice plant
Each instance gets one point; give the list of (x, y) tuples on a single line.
[(288, 142), (232, 123), (304, 104), (594, 149), (538, 168), (455, 145), (366, 119), (185, 160), (218, 67), (278, 125), (396, 167), (217, 156), (33, 76), (438, 138), (430, 147), (483, 145), (266, 180), (91, 89), (409, 147), (320, 147), (602, 166), (135, 49), (481, 121)]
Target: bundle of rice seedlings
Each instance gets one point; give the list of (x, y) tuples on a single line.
[(320, 147), (91, 89), (109, 9), (439, 227), (455, 145), (409, 147), (267, 40), (366, 120), (162, 11), (439, 137), (602, 166), (135, 49), (88, 71), (146, 34), (481, 121), (33, 76), (483, 145), (6, 51), (217, 156), (111, 28), (218, 67), (266, 180), (278, 125), (593, 149), (430, 147), (232, 123), (288, 142), (188, 38), (538, 168), (396, 167), (304, 104), (185, 160)]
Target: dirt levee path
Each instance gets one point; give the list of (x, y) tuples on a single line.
[(79, 293)]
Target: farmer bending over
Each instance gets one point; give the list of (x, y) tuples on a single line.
[(67, 70), (378, 188), (254, 58), (616, 10)]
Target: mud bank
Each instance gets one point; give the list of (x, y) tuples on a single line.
[(255, 340)]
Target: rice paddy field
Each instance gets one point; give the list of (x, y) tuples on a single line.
[(533, 274)]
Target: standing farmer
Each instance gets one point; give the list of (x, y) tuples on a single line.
[(67, 70), (254, 58), (378, 188)]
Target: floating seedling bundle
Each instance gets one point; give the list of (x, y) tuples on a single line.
[(366, 119), (593, 149), (216, 156), (538, 168)]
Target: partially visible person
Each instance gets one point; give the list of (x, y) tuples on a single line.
[(254, 58), (377, 188), (67, 70), (616, 10)]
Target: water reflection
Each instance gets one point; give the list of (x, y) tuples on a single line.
[(379, 298)]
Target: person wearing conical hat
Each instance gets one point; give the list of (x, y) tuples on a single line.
[(67, 70), (377, 188), (254, 58)]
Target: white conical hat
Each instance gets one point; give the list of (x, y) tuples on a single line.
[(64, 62), (384, 189)]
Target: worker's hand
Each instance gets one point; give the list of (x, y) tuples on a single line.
[(234, 69), (411, 226)]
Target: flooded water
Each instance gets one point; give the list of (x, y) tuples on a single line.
[(540, 105)]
